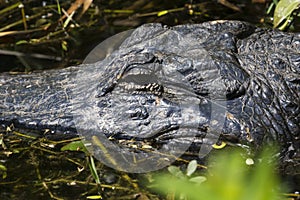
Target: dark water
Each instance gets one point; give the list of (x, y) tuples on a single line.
[(99, 23), (37, 169)]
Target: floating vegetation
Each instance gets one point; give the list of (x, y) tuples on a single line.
[(63, 32), (32, 167)]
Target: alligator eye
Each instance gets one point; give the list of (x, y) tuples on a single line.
[(138, 113)]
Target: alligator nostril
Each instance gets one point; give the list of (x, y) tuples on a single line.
[(138, 112)]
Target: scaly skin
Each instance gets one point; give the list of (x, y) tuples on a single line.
[(164, 83)]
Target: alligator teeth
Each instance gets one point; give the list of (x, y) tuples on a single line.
[(137, 71)]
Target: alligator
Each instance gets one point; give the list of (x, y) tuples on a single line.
[(197, 83)]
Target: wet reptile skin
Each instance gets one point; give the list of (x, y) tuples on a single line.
[(259, 70)]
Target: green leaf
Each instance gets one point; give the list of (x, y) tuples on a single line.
[(94, 170), (21, 42), (261, 185), (3, 168), (75, 146), (64, 45), (191, 190), (58, 7), (283, 10), (191, 168), (229, 178), (198, 179), (175, 171)]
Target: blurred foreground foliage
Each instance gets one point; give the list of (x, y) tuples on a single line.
[(229, 178), (285, 12)]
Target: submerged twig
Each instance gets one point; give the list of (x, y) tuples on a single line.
[(33, 55)]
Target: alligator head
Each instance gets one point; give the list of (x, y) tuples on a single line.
[(195, 84), (168, 87)]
